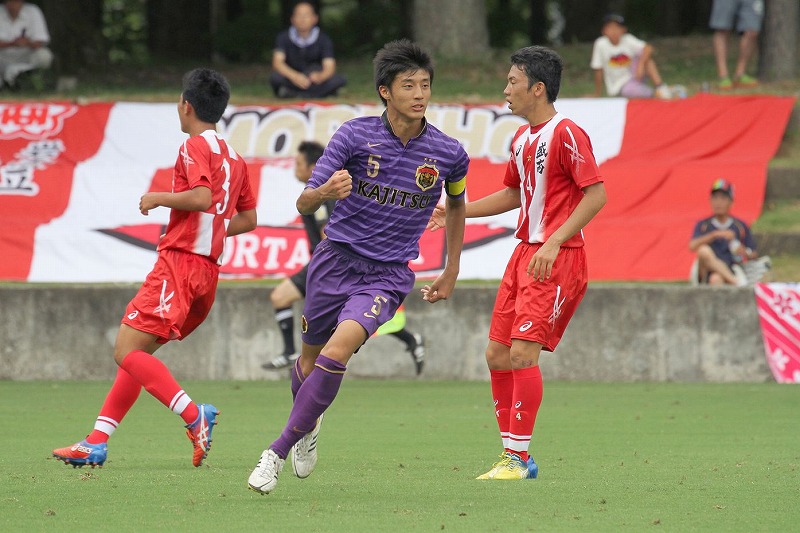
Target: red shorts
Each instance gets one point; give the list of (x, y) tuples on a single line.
[(176, 296), (538, 311)]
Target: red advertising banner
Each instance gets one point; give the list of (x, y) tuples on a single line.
[(779, 314), (71, 177)]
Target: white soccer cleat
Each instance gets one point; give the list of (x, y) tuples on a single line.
[(304, 453), (264, 477)]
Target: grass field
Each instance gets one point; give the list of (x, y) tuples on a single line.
[(401, 456)]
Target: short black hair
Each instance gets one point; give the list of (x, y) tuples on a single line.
[(311, 151), (208, 92), (397, 57), (309, 2), (614, 17), (541, 64)]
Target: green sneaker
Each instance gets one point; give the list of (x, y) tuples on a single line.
[(725, 84), (745, 81)]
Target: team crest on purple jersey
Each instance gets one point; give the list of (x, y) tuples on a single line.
[(427, 175)]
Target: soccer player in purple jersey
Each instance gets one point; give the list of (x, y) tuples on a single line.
[(387, 174)]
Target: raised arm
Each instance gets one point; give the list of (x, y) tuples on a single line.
[(242, 222), (498, 202), (337, 187), (197, 199)]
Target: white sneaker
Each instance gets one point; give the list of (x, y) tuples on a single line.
[(264, 477), (741, 276), (280, 362), (418, 352), (304, 453), (664, 92)]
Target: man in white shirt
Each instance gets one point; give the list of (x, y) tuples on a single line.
[(23, 40), (624, 62)]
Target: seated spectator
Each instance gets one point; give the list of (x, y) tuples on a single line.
[(722, 242), (303, 63), (23, 40), (623, 61)]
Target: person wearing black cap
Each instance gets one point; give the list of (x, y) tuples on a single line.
[(722, 241), (624, 62)]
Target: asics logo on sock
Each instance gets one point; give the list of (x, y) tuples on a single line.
[(526, 326)]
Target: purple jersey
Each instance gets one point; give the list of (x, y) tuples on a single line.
[(395, 187)]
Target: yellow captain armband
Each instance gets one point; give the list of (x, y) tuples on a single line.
[(455, 188)]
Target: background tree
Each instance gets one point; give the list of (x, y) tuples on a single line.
[(452, 28), (179, 29), (76, 33), (778, 48)]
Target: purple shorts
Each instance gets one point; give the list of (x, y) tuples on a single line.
[(343, 285)]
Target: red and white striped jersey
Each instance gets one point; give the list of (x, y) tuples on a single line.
[(550, 163), (206, 160)]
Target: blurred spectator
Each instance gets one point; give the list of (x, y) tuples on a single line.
[(23, 40), (722, 242), (302, 61), (623, 61), (747, 14)]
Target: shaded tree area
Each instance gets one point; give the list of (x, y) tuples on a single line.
[(452, 28), (97, 33), (179, 29), (778, 55), (76, 29), (646, 18)]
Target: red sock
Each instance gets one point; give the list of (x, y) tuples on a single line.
[(502, 389), (528, 391), (118, 402), (156, 378)]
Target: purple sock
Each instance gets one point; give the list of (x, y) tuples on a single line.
[(314, 396), (297, 378)]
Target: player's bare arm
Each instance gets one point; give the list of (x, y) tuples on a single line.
[(594, 198), (242, 222), (496, 203), (197, 199), (443, 286), (337, 187)]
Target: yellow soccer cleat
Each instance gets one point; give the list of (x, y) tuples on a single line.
[(511, 466), (516, 468), (505, 458)]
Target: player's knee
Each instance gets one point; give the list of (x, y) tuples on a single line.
[(715, 279), (119, 355), (523, 358), (284, 295), (497, 356)]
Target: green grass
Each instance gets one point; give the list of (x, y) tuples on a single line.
[(779, 216), (401, 456)]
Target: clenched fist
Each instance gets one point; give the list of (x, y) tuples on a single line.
[(338, 186)]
